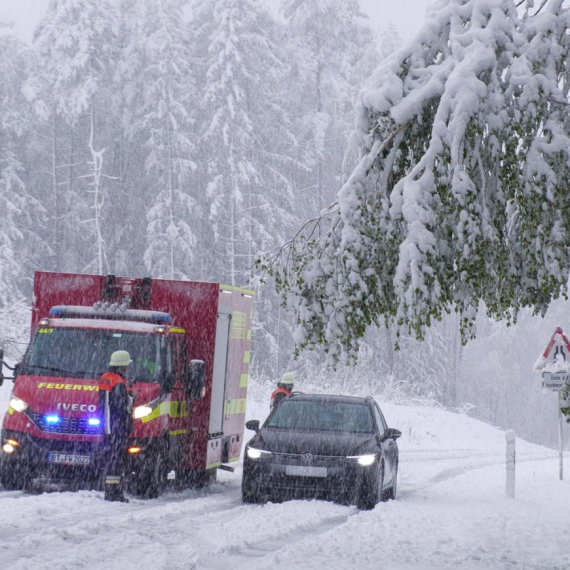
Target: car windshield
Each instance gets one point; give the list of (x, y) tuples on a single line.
[(85, 353), (325, 416)]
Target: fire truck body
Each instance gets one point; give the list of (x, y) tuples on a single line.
[(172, 330)]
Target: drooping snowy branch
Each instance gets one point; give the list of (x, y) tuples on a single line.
[(460, 195)]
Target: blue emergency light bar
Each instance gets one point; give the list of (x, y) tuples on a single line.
[(110, 312), (52, 419), (94, 422)]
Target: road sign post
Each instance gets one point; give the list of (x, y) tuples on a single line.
[(560, 439), (554, 363)]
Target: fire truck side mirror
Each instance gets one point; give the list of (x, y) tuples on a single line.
[(196, 379)]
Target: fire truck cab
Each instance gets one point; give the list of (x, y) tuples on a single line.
[(190, 347)]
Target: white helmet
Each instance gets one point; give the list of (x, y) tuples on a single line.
[(120, 358), (288, 378)]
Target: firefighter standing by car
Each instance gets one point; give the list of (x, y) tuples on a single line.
[(115, 402), (284, 389)]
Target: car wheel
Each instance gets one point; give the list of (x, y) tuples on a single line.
[(248, 492), (373, 492), (390, 493)]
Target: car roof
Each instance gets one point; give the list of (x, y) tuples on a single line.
[(329, 398)]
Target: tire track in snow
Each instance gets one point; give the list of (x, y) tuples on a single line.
[(255, 549), (445, 474)]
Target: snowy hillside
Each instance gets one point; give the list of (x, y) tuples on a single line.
[(451, 512)]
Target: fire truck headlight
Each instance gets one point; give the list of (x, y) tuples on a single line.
[(17, 404), (142, 412)]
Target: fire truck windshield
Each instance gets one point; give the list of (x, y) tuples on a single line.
[(85, 353)]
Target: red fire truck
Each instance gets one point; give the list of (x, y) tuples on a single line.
[(190, 346)]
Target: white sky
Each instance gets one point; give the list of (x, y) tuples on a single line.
[(406, 15)]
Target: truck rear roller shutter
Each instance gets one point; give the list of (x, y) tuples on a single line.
[(219, 375)]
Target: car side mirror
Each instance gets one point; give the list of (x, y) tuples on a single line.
[(391, 433), (168, 383), (253, 425), (196, 380)]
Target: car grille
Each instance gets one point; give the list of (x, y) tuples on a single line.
[(72, 426), (309, 459)]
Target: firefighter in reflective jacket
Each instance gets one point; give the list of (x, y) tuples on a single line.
[(284, 389), (115, 402)]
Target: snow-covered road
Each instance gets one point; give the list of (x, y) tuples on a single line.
[(451, 512)]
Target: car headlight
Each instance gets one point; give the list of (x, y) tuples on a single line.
[(17, 404), (254, 453), (364, 460), (142, 412)]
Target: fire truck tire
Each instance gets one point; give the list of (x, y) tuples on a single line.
[(13, 476), (151, 480), (202, 478)]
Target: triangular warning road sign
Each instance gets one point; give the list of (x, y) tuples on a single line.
[(558, 339)]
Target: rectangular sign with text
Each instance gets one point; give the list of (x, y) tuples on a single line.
[(554, 381)]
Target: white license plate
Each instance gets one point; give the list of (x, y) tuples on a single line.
[(69, 459), (305, 471)]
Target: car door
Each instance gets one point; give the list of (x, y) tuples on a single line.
[(389, 446)]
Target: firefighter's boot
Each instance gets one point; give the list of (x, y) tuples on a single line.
[(114, 489)]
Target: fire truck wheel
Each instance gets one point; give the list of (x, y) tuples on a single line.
[(202, 478), (12, 476), (150, 481)]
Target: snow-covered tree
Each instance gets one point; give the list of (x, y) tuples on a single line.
[(75, 43), (330, 50), (241, 138), (168, 88), (461, 193), (20, 213)]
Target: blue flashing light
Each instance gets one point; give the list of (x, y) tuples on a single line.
[(57, 311), (52, 419), (94, 422), (162, 318)]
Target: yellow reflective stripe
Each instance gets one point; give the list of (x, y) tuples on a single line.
[(217, 464), (236, 406), (249, 334), (243, 379), (246, 357), (179, 432), (238, 325), (233, 459), (175, 330), (162, 410), (10, 410)]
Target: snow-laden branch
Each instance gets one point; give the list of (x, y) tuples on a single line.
[(460, 195)]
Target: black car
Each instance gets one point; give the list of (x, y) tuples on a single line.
[(319, 446)]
